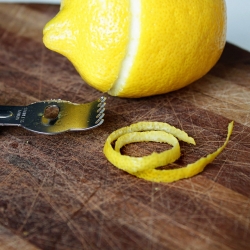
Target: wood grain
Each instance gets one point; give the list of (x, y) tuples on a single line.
[(59, 192)]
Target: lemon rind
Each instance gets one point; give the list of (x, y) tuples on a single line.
[(145, 167)]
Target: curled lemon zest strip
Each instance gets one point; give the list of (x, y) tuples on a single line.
[(145, 167), (153, 160)]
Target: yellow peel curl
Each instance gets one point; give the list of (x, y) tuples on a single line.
[(145, 167)]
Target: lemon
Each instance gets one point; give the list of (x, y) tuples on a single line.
[(135, 48)]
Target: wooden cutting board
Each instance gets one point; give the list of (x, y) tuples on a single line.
[(60, 192)]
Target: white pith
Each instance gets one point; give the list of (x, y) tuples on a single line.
[(134, 35)]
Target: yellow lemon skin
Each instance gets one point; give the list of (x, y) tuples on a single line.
[(146, 167), (135, 48)]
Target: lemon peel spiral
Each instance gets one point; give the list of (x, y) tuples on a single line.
[(145, 167)]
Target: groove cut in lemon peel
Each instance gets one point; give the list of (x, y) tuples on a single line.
[(145, 167)]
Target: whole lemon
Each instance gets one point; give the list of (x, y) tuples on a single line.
[(136, 48)]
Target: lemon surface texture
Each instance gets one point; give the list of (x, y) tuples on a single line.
[(137, 48)]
